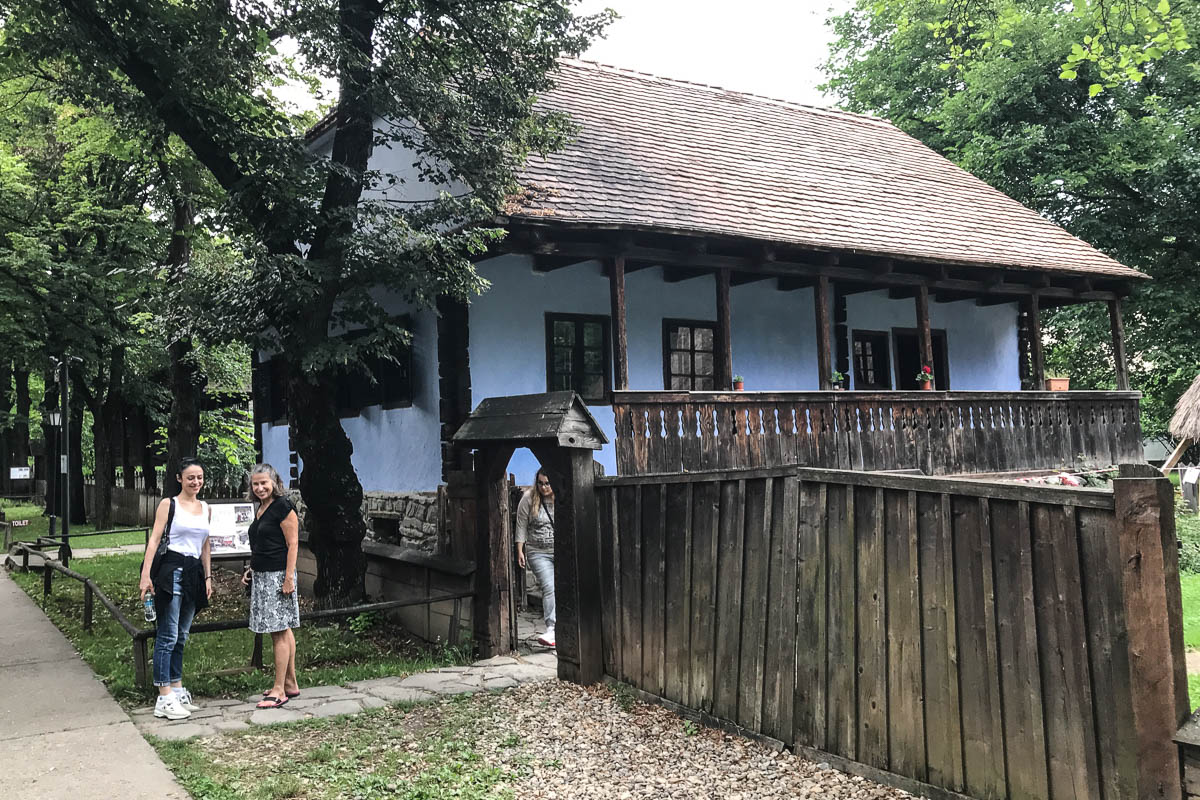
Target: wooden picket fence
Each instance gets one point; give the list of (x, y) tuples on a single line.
[(951, 637)]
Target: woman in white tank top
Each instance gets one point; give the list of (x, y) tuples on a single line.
[(180, 578)]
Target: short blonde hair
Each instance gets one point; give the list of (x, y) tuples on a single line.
[(277, 489)]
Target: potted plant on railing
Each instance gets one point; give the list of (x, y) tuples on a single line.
[(837, 380), (738, 383), (1057, 382), (925, 378)]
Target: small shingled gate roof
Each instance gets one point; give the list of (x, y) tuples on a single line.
[(1185, 422), (670, 156), (560, 417)]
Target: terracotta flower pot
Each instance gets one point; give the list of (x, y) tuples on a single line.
[(1058, 384), (738, 385), (926, 386)]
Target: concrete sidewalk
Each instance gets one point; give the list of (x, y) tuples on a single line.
[(61, 733)]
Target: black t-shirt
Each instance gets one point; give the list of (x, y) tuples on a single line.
[(268, 548)]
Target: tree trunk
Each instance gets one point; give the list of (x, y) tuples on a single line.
[(21, 429), (50, 436), (332, 494), (7, 419), (102, 490), (187, 384), (129, 445), (78, 509), (149, 478)]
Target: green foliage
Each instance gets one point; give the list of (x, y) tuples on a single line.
[(364, 622), (690, 728), (1187, 531), (1118, 40), (1120, 170)]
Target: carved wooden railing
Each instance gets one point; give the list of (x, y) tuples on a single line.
[(940, 433)]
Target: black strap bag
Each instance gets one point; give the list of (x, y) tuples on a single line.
[(162, 543)]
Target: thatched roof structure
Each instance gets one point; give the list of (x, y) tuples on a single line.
[(1185, 424)]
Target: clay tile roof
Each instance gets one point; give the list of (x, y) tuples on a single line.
[(667, 155)]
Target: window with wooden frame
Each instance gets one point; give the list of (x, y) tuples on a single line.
[(388, 384), (908, 359), (688, 358), (579, 356), (872, 361)]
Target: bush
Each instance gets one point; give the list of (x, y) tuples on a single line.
[(1187, 530)]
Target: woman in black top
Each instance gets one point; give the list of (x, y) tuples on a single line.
[(274, 604)]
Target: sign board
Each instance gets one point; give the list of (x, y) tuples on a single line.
[(20, 473), (62, 464), (19, 523), (230, 529), (1191, 475)]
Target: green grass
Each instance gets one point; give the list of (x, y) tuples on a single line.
[(40, 526), (395, 753), (327, 654)]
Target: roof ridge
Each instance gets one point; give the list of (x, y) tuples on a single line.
[(588, 63)]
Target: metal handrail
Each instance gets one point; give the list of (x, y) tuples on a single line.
[(141, 635)]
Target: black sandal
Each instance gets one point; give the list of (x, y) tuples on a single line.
[(273, 702)]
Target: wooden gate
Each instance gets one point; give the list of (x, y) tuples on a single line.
[(991, 639)]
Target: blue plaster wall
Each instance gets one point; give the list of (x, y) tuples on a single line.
[(981, 341), (774, 348)]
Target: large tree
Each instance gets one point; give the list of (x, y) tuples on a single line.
[(453, 81), (1119, 168)]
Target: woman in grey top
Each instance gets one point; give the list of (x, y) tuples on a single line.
[(535, 544)]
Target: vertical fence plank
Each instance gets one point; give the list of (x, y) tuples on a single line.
[(677, 592), (755, 565), (1017, 650), (871, 629), (810, 695), (654, 511), (982, 718), (842, 701), (1108, 645), (705, 521), (629, 511), (610, 603), (906, 714), (943, 726), (729, 600), (1062, 651), (779, 669)]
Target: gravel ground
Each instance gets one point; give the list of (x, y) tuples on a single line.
[(646, 752)]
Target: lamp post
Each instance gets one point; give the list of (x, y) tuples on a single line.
[(55, 420), (64, 552)]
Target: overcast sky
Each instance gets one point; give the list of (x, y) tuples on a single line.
[(768, 47)]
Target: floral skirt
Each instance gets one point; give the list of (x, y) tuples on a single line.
[(271, 610)]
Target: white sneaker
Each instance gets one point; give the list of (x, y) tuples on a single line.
[(168, 706), (547, 638), (185, 699)]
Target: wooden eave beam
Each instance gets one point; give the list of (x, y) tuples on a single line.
[(792, 284), (739, 278), (549, 263), (666, 257)]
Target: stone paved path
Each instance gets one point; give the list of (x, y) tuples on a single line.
[(220, 716)]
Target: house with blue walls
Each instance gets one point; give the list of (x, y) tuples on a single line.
[(689, 236)]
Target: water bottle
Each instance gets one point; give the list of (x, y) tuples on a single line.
[(148, 608)]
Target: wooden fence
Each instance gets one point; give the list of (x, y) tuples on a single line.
[(951, 637), (940, 433), (135, 507)]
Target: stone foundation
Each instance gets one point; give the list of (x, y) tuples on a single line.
[(408, 520)]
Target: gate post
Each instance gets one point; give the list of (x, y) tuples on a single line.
[(1145, 516)]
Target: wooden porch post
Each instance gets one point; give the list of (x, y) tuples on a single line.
[(824, 356), (1037, 362), (724, 354), (616, 290), (1118, 338), (924, 332)]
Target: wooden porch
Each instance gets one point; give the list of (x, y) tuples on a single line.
[(939, 433)]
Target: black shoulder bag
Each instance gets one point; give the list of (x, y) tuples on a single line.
[(163, 542)]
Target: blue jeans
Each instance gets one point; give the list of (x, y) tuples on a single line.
[(542, 565), (172, 634)]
